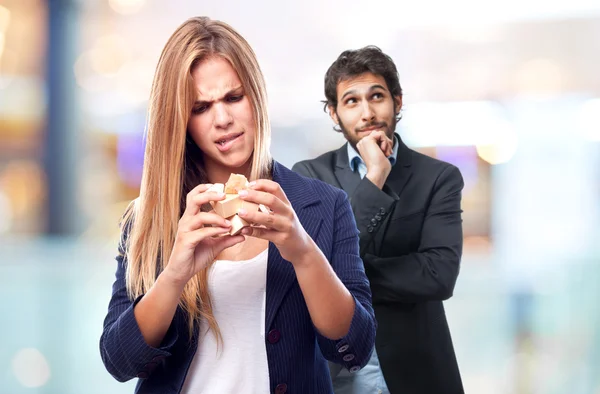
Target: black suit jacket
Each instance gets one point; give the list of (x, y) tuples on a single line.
[(411, 245)]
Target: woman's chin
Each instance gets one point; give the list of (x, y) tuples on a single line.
[(236, 161)]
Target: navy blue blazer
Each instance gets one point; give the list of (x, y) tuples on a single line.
[(296, 352)]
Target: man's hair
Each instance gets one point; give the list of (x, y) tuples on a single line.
[(352, 63)]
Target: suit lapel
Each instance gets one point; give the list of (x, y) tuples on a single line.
[(347, 178), (280, 273), (402, 171)]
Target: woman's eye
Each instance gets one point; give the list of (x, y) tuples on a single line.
[(200, 109), (234, 99)]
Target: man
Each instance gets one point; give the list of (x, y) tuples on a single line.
[(407, 209)]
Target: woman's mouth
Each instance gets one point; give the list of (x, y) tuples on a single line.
[(227, 141)]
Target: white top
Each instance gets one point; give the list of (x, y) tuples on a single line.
[(238, 295)]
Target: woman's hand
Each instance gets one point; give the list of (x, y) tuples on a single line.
[(280, 226), (200, 236)]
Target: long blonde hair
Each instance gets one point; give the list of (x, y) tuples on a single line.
[(173, 163)]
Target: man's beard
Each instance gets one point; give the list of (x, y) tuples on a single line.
[(353, 139)]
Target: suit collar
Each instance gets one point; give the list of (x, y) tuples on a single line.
[(402, 171), (404, 157), (347, 178), (341, 157)]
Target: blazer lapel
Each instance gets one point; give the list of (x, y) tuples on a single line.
[(347, 178), (280, 273), (280, 276), (402, 171)]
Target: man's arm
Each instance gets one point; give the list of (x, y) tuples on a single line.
[(431, 272), (372, 208)]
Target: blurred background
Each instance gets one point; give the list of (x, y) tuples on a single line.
[(507, 91)]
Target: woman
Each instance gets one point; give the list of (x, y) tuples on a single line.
[(195, 310)]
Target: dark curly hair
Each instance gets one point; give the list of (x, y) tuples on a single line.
[(352, 63)]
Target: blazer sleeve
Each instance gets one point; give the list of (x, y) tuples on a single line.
[(353, 350), (368, 203), (432, 271), (123, 349)]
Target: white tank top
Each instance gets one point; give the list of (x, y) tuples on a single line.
[(238, 294)]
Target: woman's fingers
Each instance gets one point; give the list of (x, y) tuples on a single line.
[(201, 219), (225, 242), (199, 196), (193, 238), (269, 220)]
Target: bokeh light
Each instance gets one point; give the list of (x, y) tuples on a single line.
[(31, 368)]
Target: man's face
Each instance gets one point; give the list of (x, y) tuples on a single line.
[(365, 104)]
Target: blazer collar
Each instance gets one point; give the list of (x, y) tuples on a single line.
[(306, 203), (298, 190)]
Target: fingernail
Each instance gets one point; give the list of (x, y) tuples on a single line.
[(242, 212), (252, 184), (243, 193), (227, 223)]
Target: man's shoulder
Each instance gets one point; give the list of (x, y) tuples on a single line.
[(321, 164), (315, 184), (423, 163), (327, 158)]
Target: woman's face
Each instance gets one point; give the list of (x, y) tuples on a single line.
[(222, 121)]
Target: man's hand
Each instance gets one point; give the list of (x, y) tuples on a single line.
[(374, 150)]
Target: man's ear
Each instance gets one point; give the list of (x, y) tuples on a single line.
[(398, 102), (333, 114)]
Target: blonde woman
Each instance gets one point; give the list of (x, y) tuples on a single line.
[(195, 310)]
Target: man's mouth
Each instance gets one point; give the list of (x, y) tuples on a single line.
[(373, 128)]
